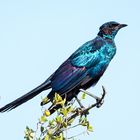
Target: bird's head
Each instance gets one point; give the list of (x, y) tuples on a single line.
[(110, 29)]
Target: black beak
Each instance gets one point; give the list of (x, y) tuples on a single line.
[(122, 25)]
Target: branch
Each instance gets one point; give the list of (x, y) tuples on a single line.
[(55, 128), (83, 111)]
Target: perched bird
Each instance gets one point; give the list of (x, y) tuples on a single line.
[(80, 71)]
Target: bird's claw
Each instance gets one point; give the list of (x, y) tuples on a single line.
[(100, 101), (82, 111)]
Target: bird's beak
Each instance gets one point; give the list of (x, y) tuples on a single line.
[(122, 25)]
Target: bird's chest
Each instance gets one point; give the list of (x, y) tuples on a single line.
[(106, 54)]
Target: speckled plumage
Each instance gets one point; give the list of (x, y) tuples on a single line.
[(81, 70)]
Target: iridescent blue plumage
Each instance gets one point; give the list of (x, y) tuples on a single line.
[(91, 59), (81, 70)]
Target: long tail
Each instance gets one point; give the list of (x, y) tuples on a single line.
[(26, 97)]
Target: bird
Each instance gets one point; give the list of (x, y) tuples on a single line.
[(81, 70)]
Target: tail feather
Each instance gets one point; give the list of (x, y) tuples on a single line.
[(26, 97)]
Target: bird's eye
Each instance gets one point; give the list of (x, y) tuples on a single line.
[(113, 25)]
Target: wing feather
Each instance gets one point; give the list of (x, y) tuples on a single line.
[(75, 70)]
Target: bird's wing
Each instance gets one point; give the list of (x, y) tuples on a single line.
[(75, 70), (88, 54), (67, 77)]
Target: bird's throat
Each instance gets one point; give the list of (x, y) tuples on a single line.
[(106, 36)]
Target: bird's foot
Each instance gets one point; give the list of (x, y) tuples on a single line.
[(90, 94), (99, 100), (81, 108), (79, 102), (82, 111)]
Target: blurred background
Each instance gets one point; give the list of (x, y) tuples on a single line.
[(37, 36)]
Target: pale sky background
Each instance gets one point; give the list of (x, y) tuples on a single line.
[(37, 36)]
